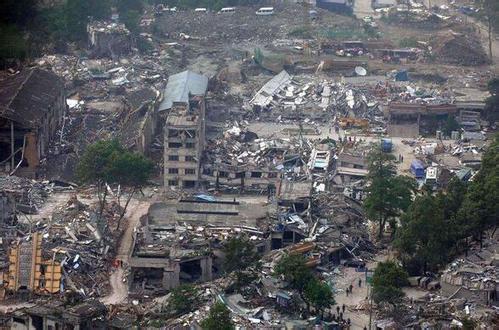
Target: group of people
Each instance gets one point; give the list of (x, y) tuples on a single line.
[(350, 287)]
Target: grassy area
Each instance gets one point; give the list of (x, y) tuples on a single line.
[(343, 33)]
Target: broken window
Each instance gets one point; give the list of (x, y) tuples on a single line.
[(256, 174), (190, 171), (173, 158), (190, 271), (173, 133), (191, 133), (189, 159), (190, 145), (172, 183), (173, 171), (175, 145), (189, 184), (240, 175), (272, 175), (223, 174)]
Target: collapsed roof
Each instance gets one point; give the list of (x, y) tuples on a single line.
[(25, 97), (180, 86)]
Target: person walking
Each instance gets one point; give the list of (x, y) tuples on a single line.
[(343, 308), (360, 282)]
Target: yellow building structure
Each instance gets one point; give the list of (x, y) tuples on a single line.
[(28, 270)]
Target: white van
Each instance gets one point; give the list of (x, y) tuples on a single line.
[(265, 11), (227, 10), (201, 10)]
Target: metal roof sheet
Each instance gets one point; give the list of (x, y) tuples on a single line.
[(180, 86)]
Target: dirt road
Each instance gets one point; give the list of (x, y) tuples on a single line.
[(362, 8), (359, 318), (119, 288)]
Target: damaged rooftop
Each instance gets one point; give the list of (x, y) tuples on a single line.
[(251, 165)]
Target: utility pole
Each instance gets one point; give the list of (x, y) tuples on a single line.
[(12, 146), (370, 306)]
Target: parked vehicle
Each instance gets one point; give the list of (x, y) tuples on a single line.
[(227, 10), (264, 11)]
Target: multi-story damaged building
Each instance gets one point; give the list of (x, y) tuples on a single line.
[(183, 111), (32, 106)]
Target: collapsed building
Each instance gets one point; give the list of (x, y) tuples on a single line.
[(32, 108), (475, 277), (412, 119), (139, 122), (109, 39), (182, 111), (56, 315), (179, 241), (28, 270)]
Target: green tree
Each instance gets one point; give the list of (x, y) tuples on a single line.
[(106, 162), (490, 14), (480, 207), (131, 171), (468, 324), (388, 279), (388, 194), (93, 167), (77, 14), (491, 111), (18, 12), (131, 19), (319, 295), (125, 5), (450, 125), (218, 318), (424, 238), (12, 45), (183, 299), (240, 253), (295, 271)]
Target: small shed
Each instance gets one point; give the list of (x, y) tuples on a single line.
[(417, 168)]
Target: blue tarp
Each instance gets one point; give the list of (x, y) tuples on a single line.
[(207, 198), (417, 168), (386, 145), (401, 76)]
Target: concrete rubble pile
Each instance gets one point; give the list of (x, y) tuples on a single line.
[(74, 238), (29, 194), (287, 98), (459, 49)]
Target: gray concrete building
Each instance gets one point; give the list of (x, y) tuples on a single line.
[(183, 109)]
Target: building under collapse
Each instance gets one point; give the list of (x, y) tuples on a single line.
[(109, 39), (179, 241), (414, 119), (183, 112), (32, 107), (28, 270)]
